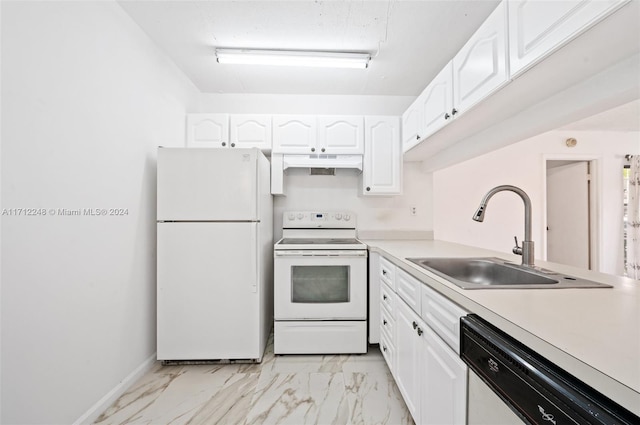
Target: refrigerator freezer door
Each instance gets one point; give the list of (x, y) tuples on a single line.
[(207, 184), (208, 291)]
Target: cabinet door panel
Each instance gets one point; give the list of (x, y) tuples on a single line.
[(250, 131), (411, 126), (382, 173), (340, 135), (537, 28), (207, 130), (294, 134), (407, 361), (443, 383), (437, 102), (481, 65)]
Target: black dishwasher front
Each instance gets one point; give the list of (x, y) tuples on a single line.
[(534, 388)]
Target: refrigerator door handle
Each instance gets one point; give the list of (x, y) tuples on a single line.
[(254, 257)]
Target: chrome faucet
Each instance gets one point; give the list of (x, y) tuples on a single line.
[(527, 244)]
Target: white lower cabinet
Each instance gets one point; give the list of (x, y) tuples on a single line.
[(408, 356), (431, 377), (443, 380), (428, 371)]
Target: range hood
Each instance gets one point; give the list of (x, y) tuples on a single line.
[(322, 161)]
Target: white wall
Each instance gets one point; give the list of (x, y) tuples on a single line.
[(302, 104), (304, 192), (458, 190), (341, 192), (86, 98)]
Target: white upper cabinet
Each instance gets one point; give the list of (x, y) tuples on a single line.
[(537, 28), (382, 167), (250, 131), (207, 130), (308, 134), (340, 135), (411, 125), (480, 67), (294, 134), (437, 102), (430, 111)]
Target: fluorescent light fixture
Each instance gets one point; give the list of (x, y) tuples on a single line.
[(293, 58)]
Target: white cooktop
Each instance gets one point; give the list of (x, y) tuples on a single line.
[(319, 230)]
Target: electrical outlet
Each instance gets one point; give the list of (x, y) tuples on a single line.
[(414, 210)]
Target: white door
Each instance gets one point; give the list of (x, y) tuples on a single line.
[(208, 293), (480, 67), (207, 130), (407, 357), (443, 378), (537, 28), (437, 102), (382, 172), (568, 213), (294, 134), (207, 184), (340, 135), (411, 125), (250, 131)]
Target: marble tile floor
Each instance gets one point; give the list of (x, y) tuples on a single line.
[(296, 390)]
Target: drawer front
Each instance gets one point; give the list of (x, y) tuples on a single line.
[(443, 316), (388, 352), (388, 273), (408, 288), (387, 299), (387, 325)]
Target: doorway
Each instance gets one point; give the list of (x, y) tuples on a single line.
[(570, 204)]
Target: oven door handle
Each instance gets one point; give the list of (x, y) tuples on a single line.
[(307, 254)]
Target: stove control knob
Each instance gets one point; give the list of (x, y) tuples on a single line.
[(338, 216), (300, 216), (347, 217), (291, 216)]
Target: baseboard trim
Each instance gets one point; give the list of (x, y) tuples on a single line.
[(94, 411)]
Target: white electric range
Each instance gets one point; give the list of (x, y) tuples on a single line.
[(320, 285)]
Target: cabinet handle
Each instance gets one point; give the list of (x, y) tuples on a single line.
[(384, 297), (415, 325), (233, 145), (322, 149), (384, 272), (417, 137), (384, 322), (384, 348), (368, 189), (224, 143), (313, 149), (419, 332), (454, 111), (447, 116)]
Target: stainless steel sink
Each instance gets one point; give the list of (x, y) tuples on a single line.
[(486, 273)]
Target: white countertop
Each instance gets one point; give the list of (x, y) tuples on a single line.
[(593, 333)]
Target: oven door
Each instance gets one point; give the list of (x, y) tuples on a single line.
[(320, 285)]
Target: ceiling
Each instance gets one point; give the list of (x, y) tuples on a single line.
[(410, 41)]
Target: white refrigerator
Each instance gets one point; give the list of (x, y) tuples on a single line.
[(215, 254)]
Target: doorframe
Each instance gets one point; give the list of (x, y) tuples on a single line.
[(595, 196)]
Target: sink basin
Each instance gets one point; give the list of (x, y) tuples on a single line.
[(479, 273)]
